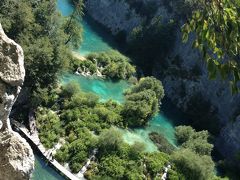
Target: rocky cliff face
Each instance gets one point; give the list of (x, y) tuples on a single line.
[(185, 79), (115, 15), (16, 157)]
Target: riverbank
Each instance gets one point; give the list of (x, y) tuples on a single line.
[(78, 56), (35, 143)]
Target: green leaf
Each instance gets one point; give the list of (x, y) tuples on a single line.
[(185, 37)]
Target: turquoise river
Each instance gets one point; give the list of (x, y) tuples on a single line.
[(96, 39)]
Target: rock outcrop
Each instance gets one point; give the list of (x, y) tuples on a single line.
[(16, 157), (115, 15), (185, 78)]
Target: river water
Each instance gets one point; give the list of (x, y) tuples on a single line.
[(96, 39)]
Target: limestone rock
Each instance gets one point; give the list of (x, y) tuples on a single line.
[(16, 157)]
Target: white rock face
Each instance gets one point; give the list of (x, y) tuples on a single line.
[(16, 157)]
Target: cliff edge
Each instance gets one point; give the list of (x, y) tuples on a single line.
[(16, 157)]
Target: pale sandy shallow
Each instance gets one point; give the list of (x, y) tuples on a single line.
[(78, 56)]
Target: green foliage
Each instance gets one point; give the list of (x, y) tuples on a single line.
[(113, 64), (149, 45), (155, 162), (142, 101), (37, 27), (217, 26), (44, 97), (72, 27), (196, 141), (74, 32), (70, 89), (136, 150), (80, 144), (109, 140), (112, 166), (49, 127), (183, 133), (161, 142), (192, 165)]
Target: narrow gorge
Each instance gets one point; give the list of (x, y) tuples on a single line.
[(119, 89), (184, 73)]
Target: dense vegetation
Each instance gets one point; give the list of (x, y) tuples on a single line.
[(83, 121), (80, 117), (150, 44), (142, 101), (194, 157), (111, 64), (117, 159), (36, 27), (86, 124)]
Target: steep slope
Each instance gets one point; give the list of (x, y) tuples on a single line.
[(184, 75), (16, 157)]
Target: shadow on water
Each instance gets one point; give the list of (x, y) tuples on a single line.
[(43, 171), (172, 113), (97, 35)]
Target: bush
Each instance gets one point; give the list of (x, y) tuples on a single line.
[(49, 127), (70, 89), (196, 141), (150, 45), (109, 141), (114, 65), (192, 165), (155, 162), (142, 101)]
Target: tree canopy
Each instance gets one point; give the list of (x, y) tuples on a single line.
[(217, 25), (142, 101)]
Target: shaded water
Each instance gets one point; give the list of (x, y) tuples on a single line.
[(44, 172), (95, 38)]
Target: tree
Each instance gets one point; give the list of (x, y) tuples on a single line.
[(114, 64), (150, 44), (149, 83), (136, 150), (196, 141), (49, 127), (183, 133), (112, 166), (70, 89), (155, 162), (35, 25), (109, 140), (72, 27), (142, 101), (217, 25), (139, 108), (192, 165)]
